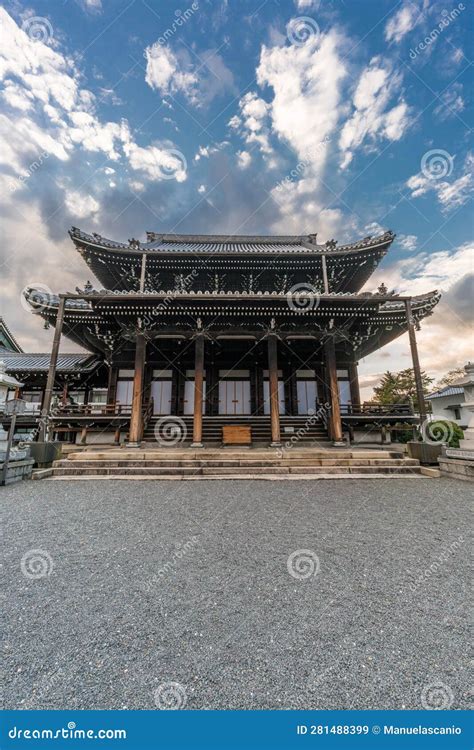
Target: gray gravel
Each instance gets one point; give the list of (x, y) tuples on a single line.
[(187, 582)]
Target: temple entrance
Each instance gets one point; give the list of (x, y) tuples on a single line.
[(160, 391), (125, 387), (188, 402), (306, 392), (234, 397)]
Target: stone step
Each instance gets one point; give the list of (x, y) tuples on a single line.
[(231, 477), (229, 462), (243, 473), (139, 454)]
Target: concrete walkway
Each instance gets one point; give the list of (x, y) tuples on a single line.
[(336, 594)]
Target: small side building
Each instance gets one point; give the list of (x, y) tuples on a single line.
[(449, 403)]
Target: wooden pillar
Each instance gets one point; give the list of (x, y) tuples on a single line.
[(198, 389), (354, 384), (420, 397), (331, 369), (64, 393), (48, 393), (112, 385), (273, 387), (136, 417)]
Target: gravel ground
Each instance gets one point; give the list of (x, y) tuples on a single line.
[(149, 583)]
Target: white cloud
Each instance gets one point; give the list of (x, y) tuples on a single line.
[(306, 81), (58, 115), (407, 241), (372, 119), (426, 271), (80, 205), (303, 111), (201, 189), (450, 195), (446, 337), (253, 121), (307, 4), (169, 73), (164, 72), (405, 19), (243, 159), (157, 162)]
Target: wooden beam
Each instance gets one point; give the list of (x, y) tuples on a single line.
[(273, 387), (142, 273), (136, 417), (331, 369), (198, 390), (48, 393), (416, 362), (325, 274)]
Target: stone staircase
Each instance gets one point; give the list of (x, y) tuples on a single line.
[(309, 431), (234, 463)]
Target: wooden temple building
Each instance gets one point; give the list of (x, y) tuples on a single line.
[(214, 331)]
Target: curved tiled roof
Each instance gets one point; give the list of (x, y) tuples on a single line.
[(229, 244), (22, 361)]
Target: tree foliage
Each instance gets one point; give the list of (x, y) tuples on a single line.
[(400, 387), (452, 376)]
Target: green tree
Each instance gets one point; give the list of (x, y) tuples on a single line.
[(400, 387), (452, 376)]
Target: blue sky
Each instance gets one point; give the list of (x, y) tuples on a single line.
[(287, 117)]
